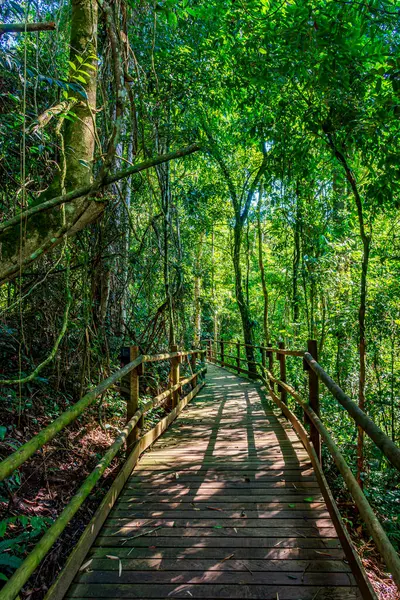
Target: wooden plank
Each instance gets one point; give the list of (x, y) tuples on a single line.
[(284, 495), (220, 530), (210, 564), (129, 523), (218, 554), (219, 542), (229, 578), (261, 592), (191, 512), (243, 505), (179, 484)]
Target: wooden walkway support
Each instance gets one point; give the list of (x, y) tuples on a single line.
[(226, 504)]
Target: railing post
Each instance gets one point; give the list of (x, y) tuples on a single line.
[(209, 349), (263, 359), (130, 389), (282, 364), (313, 396), (238, 357), (193, 358), (222, 353), (270, 355), (175, 375)]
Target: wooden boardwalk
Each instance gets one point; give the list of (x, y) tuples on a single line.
[(225, 505)]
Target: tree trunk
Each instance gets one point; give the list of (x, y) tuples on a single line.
[(366, 242), (45, 230), (197, 295), (247, 323), (296, 262), (261, 267)]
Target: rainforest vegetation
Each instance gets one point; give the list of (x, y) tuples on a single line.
[(180, 170)]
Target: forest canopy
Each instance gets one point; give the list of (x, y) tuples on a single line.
[(178, 171)]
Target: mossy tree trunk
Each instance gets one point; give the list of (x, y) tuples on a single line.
[(46, 230)]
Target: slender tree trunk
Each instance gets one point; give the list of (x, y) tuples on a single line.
[(262, 268), (296, 262), (392, 402), (197, 294), (214, 295), (163, 174), (247, 322), (366, 243)]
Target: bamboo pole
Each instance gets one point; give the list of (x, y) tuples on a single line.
[(351, 555), (373, 525), (313, 397), (175, 368), (384, 443), (15, 460), (282, 366), (20, 577), (22, 27)]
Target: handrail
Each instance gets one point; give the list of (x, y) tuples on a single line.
[(317, 429), (25, 570), (17, 458), (285, 351), (374, 527), (32, 561), (384, 443)]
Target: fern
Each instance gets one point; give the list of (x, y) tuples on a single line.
[(9, 560)]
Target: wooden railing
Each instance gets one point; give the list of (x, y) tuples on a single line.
[(318, 431), (130, 435)]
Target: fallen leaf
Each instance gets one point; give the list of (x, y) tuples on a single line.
[(112, 557), (119, 568), (309, 499), (291, 505), (84, 566)]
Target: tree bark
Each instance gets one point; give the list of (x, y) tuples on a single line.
[(296, 262), (197, 295), (261, 267), (47, 229)]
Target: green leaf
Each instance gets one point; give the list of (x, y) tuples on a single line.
[(309, 499), (172, 19), (80, 78), (291, 505), (9, 560), (262, 51), (71, 64), (3, 431)]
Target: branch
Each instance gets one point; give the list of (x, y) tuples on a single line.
[(90, 189), (22, 27)]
